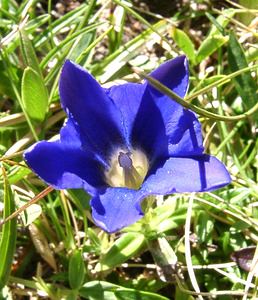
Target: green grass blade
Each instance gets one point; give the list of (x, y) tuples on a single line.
[(215, 38), (114, 62), (29, 27), (66, 41), (123, 248), (244, 83), (68, 19), (28, 53), (76, 270), (37, 22), (5, 4), (101, 290), (8, 236)]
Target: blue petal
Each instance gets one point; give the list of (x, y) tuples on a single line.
[(98, 119), (179, 175), (70, 133), (64, 167), (143, 121), (174, 74), (127, 97), (163, 126), (185, 134), (116, 208), (153, 121)]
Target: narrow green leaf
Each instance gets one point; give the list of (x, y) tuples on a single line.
[(164, 257), (215, 38), (29, 28), (80, 198), (30, 214), (8, 236), (117, 60), (215, 23), (76, 270), (67, 19), (210, 45), (223, 20), (82, 35), (117, 19), (82, 43), (5, 4), (24, 7), (207, 81), (34, 95), (204, 227), (167, 217), (184, 43), (181, 295), (251, 54), (17, 173), (246, 18), (28, 53), (5, 85), (101, 290), (98, 290), (125, 294), (36, 22), (244, 83), (162, 252), (126, 5), (123, 248), (5, 23)]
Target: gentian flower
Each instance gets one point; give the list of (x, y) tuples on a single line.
[(125, 143)]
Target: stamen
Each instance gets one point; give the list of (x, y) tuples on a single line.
[(124, 160), (127, 169)]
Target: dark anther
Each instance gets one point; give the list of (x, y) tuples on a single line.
[(124, 160)]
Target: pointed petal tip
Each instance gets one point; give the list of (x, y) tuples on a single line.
[(72, 64), (182, 58), (63, 165), (68, 67), (186, 175), (174, 74), (116, 208), (67, 62), (221, 174), (29, 151)]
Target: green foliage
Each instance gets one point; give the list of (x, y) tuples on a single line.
[(34, 95), (55, 251), (245, 85), (184, 43), (76, 270), (8, 235), (101, 290), (215, 39), (121, 250)]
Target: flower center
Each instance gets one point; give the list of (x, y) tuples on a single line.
[(127, 169)]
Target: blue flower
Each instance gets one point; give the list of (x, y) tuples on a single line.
[(125, 143)]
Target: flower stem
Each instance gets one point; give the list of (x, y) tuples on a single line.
[(165, 90)]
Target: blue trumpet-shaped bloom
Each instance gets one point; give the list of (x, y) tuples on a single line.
[(125, 143)]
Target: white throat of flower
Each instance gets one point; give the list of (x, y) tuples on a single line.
[(127, 169)]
